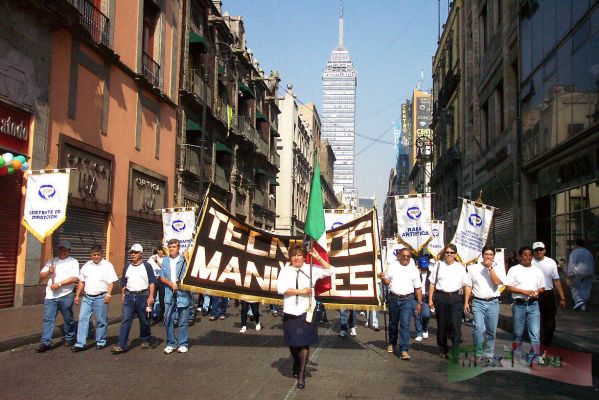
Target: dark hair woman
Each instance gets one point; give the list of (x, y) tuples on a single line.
[(446, 297), (295, 284)]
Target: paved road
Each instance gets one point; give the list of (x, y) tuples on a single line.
[(223, 364)]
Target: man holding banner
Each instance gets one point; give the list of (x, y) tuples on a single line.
[(62, 273)]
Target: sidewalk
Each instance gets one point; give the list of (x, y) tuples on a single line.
[(23, 325)]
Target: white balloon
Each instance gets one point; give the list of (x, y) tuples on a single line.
[(8, 157)]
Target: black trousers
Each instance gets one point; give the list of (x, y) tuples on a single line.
[(244, 312), (448, 311), (548, 310), (159, 294)]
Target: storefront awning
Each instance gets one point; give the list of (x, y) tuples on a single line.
[(273, 181), (192, 125), (223, 147), (245, 90), (260, 116), (274, 132), (260, 171)]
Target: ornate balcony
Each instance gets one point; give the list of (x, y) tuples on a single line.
[(150, 69)]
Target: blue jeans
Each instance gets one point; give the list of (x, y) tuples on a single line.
[(529, 315), (63, 304), (400, 312), (206, 303), (219, 306), (134, 304), (100, 310), (182, 314), (421, 320), (343, 320), (486, 316), (372, 318), (580, 287)]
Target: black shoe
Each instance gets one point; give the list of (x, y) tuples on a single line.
[(98, 347), (76, 349), (42, 347), (204, 313), (69, 343)]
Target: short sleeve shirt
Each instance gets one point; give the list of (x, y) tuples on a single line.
[(479, 279), (451, 277), (97, 277), (63, 269), (549, 268), (404, 279), (525, 278)]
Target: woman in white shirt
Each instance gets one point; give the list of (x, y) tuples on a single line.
[(446, 297), (295, 284)]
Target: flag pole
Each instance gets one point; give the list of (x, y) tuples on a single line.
[(376, 217)]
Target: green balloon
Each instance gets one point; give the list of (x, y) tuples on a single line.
[(10, 170), (2, 162)]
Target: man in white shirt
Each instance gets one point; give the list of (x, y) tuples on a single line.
[(403, 280), (526, 282), (483, 283), (547, 298), (138, 283), (62, 273), (97, 277)]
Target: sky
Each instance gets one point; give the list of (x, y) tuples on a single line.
[(389, 42)]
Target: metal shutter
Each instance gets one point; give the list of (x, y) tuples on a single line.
[(10, 187), (83, 228), (147, 233)]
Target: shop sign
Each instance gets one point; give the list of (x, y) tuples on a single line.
[(148, 193), (91, 175), (14, 129)]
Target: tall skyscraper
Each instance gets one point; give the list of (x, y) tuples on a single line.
[(339, 82)]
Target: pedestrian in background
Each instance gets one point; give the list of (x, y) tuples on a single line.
[(245, 307), (295, 283), (581, 268), (62, 273), (138, 284), (97, 277), (423, 317), (156, 262), (448, 278)]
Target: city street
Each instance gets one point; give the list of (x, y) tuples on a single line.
[(224, 364)]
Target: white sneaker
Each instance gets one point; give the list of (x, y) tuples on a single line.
[(243, 329), (352, 332), (182, 349), (258, 327), (169, 349), (425, 335), (418, 338)]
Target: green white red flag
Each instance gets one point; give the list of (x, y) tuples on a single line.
[(315, 227)]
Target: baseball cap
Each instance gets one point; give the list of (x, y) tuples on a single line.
[(137, 247), (423, 262), (64, 243), (538, 245)]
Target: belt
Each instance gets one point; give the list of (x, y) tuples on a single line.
[(401, 296), (489, 299), (522, 301), (145, 291), (449, 293), (95, 295)]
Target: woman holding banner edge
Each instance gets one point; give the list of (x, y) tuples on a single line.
[(295, 284)]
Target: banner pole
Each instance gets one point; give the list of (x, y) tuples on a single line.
[(376, 217)]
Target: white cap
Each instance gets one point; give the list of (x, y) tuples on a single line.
[(538, 245), (137, 247)]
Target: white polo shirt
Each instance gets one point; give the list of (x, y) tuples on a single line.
[(97, 277), (173, 264), (299, 278), (549, 268), (479, 279), (404, 278), (137, 278), (63, 269), (451, 278), (524, 278)]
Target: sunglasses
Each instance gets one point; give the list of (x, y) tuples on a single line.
[(134, 252), (539, 249), (450, 253)]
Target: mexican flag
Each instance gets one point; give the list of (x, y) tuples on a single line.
[(315, 227)]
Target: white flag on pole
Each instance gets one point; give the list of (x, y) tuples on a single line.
[(413, 220), (435, 246), (473, 228), (179, 225), (45, 202)]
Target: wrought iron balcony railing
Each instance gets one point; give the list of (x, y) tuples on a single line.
[(93, 21), (150, 69)]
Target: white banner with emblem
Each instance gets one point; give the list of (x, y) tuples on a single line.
[(46, 202), (179, 223), (413, 220), (472, 230), (435, 246)]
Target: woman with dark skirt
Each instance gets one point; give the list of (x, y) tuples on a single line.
[(294, 283)]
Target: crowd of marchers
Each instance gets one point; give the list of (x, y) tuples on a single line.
[(414, 289)]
